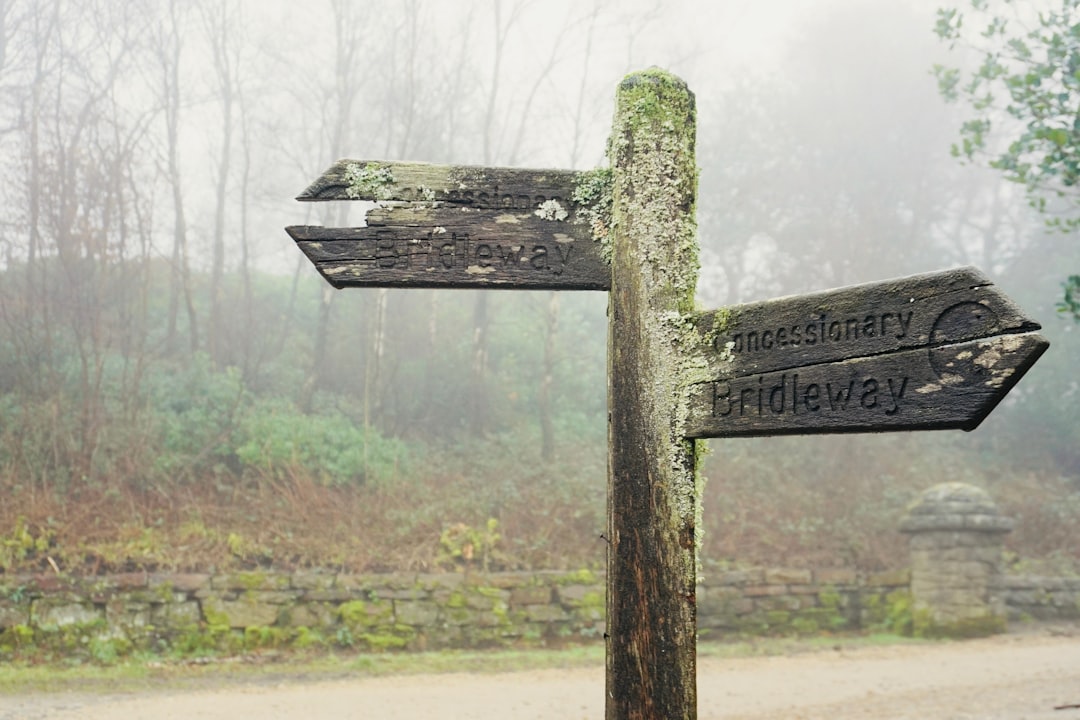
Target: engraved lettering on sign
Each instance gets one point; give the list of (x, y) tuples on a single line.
[(820, 330), (485, 199), (443, 251), (806, 392)]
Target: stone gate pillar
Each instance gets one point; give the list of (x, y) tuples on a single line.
[(956, 535)]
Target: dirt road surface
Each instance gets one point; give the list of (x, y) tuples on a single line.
[(1009, 677)]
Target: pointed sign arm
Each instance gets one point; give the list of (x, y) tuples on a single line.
[(926, 352), (463, 185), (442, 226)]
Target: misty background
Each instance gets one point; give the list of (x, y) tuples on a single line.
[(179, 388)]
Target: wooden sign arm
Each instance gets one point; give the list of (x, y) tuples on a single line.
[(935, 351), (487, 188)]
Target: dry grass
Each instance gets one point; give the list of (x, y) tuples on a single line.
[(761, 508)]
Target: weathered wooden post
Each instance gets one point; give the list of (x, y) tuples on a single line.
[(651, 611)]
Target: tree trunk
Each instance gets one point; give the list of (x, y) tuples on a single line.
[(246, 337), (318, 360), (347, 85), (181, 273), (547, 425), (373, 370), (651, 602), (478, 392), (217, 31)]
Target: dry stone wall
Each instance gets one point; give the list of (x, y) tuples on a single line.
[(372, 612), (190, 612), (763, 601), (1039, 597), (413, 611)]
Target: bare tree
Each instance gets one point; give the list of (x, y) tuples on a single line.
[(219, 19), (86, 217), (338, 103), (244, 103), (478, 394), (169, 41)]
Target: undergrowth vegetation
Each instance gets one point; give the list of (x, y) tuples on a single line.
[(447, 512), (130, 455)]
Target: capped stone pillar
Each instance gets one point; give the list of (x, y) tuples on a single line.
[(956, 536)]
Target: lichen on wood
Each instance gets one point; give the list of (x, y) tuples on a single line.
[(551, 210), (655, 124), (652, 489), (592, 195), (370, 180)]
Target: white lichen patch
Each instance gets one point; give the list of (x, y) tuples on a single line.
[(928, 388), (479, 270), (562, 238), (994, 351), (675, 319), (440, 230), (593, 198), (507, 219), (551, 210), (368, 182), (990, 358)]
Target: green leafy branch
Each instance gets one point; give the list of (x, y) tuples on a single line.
[(1029, 77)]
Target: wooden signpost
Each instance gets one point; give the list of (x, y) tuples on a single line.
[(931, 351), (928, 352), (440, 226)]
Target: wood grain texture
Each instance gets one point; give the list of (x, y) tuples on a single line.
[(448, 247), (951, 340), (651, 588), (948, 387), (463, 185)]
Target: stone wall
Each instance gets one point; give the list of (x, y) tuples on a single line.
[(238, 610), (427, 611), (764, 601), (1037, 597), (411, 611)]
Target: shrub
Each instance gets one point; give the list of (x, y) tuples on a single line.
[(278, 440)]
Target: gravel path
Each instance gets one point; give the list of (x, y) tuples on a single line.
[(1008, 677)]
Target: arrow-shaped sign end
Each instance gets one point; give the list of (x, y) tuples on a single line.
[(928, 352), (993, 366), (330, 185)]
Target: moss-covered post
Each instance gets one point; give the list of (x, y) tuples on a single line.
[(651, 658)]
